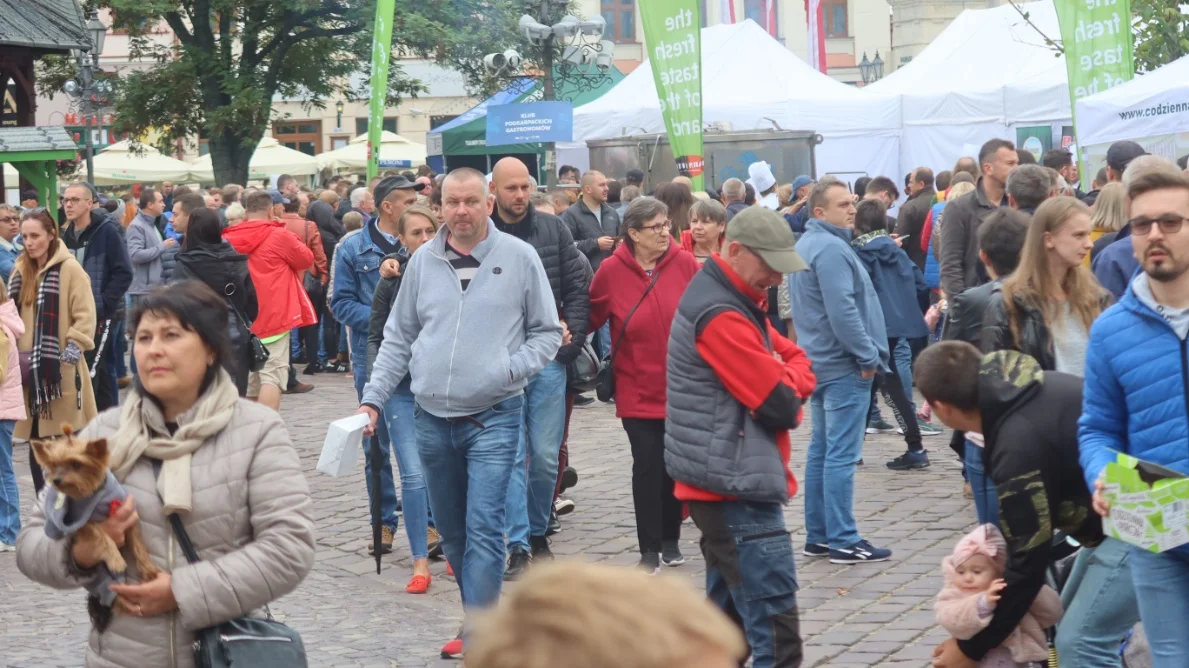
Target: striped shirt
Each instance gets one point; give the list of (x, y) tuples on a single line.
[(466, 266)]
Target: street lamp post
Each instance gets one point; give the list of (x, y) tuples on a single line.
[(575, 45), (338, 110), (871, 70), (91, 94)]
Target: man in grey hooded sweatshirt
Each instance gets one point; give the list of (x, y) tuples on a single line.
[(474, 320)]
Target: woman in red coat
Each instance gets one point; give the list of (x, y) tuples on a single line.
[(647, 256)]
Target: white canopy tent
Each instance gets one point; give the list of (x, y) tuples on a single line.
[(1152, 109), (270, 159), (396, 152), (986, 74), (118, 165), (750, 80)]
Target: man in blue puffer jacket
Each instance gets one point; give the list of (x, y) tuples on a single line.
[(1135, 402)]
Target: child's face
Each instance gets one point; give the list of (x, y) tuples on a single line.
[(976, 573)]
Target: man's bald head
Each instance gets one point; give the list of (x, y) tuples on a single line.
[(594, 188), (512, 187)]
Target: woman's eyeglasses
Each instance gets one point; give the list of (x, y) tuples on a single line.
[(668, 224)]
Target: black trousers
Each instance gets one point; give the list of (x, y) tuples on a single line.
[(34, 467), (658, 512), (892, 389), (103, 384)]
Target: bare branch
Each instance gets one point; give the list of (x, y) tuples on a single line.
[(1050, 43)]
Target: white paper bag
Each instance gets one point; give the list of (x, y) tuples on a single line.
[(341, 449)]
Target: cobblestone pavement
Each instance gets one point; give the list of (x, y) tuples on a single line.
[(866, 615)]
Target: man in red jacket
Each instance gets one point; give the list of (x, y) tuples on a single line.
[(276, 261), (735, 388)]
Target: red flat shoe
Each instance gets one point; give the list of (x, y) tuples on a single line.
[(419, 584), (449, 571)]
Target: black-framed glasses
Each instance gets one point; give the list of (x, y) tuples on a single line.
[(668, 224), (1170, 223)]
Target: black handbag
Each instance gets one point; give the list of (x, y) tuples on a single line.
[(605, 389), (582, 373), (244, 641), (257, 353)]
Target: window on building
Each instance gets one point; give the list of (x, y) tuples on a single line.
[(620, 16), (339, 142), (304, 136), (757, 10), (361, 125), (834, 18)]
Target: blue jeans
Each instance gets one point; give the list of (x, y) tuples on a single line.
[(387, 484), (10, 503), (467, 463), (119, 346), (398, 413), (605, 340), (986, 499), (1100, 607), (530, 491), (751, 575), (294, 343), (839, 409), (1162, 588), (130, 302)]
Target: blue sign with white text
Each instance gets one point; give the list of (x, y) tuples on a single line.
[(527, 123)]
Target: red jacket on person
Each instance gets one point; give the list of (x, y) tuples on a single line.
[(640, 358), (307, 233), (276, 260), (734, 348)]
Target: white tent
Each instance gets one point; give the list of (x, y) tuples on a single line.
[(270, 158), (986, 74), (748, 78), (395, 152), (1152, 109), (117, 165)]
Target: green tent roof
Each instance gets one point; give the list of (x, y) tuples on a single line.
[(467, 134)]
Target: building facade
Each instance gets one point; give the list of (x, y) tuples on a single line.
[(915, 23)]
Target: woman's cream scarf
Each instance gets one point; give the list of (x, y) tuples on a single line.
[(143, 432)]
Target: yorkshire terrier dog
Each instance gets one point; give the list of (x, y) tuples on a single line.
[(83, 493)]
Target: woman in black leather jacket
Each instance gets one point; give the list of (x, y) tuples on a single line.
[(1046, 307)]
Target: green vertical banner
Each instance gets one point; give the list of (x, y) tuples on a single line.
[(671, 30), (381, 52), (1096, 36)]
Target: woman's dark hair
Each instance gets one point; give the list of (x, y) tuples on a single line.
[(198, 309), (861, 186), (204, 230), (870, 215), (25, 265), (749, 198), (678, 198), (613, 190), (640, 212)]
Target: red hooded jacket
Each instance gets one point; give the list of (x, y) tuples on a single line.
[(276, 260), (640, 358)]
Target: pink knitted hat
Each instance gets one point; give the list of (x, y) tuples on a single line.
[(985, 540)]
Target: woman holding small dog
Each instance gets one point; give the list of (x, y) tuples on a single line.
[(53, 294), (184, 442)]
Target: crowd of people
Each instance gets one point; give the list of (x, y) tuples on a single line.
[(1031, 317)]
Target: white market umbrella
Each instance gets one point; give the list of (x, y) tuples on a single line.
[(270, 158), (396, 152), (118, 165)]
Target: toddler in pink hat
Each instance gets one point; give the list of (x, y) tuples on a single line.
[(966, 603)]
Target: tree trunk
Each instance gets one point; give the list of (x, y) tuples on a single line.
[(231, 152)]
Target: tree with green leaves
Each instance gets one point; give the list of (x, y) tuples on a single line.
[(231, 57), (1161, 30)]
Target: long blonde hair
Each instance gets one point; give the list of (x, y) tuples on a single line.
[(1033, 281), (1110, 209)]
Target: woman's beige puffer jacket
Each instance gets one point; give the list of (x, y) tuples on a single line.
[(250, 524)]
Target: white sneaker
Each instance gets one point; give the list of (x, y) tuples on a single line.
[(5, 547), (563, 506)]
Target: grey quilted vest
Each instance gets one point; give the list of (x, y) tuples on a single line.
[(711, 442)]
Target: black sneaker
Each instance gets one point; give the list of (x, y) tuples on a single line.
[(816, 550), (518, 563), (860, 553), (880, 426), (671, 554), (909, 461), (569, 478), (582, 401), (312, 368), (554, 525), (540, 547), (650, 562)]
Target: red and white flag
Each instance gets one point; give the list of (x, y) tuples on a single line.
[(727, 11), (770, 18), (817, 38)]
